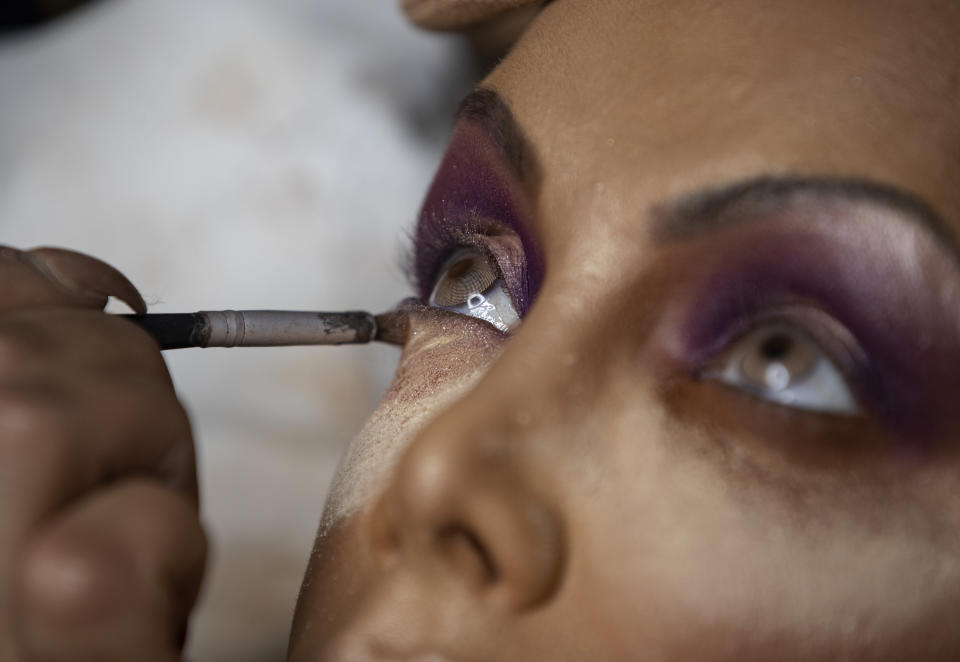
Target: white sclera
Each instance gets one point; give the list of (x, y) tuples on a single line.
[(815, 384)]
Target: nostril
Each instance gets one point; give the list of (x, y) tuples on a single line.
[(454, 545), (465, 548), (460, 508)]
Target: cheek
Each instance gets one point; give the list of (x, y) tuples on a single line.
[(445, 356), (735, 564)]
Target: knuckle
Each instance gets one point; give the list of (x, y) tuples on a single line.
[(68, 584), (32, 419), (154, 404)]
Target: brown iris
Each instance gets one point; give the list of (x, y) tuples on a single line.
[(777, 358), (468, 274)]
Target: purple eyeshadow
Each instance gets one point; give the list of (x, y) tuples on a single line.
[(906, 375), (474, 190)]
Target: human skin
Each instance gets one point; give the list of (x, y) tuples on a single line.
[(589, 487), (101, 548), (584, 488)]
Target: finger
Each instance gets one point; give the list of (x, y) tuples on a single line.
[(87, 340), (54, 276), (60, 438), (87, 275), (84, 397), (114, 577)]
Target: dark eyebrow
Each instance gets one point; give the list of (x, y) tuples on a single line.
[(485, 107), (714, 209)]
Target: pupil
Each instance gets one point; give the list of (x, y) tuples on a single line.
[(460, 268), (776, 347)]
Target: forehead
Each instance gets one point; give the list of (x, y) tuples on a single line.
[(628, 103)]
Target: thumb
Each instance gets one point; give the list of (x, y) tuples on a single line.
[(56, 276)]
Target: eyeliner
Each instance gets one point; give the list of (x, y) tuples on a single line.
[(271, 328)]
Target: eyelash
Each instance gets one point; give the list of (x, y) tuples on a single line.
[(432, 249)]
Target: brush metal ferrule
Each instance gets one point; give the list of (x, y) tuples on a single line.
[(262, 328)]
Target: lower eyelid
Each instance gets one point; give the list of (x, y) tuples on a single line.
[(751, 427), (492, 306), (839, 401)]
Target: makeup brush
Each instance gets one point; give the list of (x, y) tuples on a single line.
[(271, 328)]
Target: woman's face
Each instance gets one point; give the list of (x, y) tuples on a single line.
[(727, 429)]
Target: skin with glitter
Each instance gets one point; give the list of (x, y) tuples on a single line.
[(607, 485), (725, 428)]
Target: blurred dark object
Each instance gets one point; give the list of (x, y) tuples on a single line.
[(15, 14), (492, 39)]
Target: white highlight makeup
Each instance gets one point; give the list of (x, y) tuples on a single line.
[(445, 355)]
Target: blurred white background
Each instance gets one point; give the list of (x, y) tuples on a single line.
[(238, 154)]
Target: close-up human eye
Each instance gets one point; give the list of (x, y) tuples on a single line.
[(470, 283), (783, 364)]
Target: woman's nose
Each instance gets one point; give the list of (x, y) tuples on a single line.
[(461, 502)]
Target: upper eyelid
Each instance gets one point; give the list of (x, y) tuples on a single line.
[(811, 321), (443, 245), (868, 283), (432, 249)]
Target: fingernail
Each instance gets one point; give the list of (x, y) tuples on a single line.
[(86, 277)]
